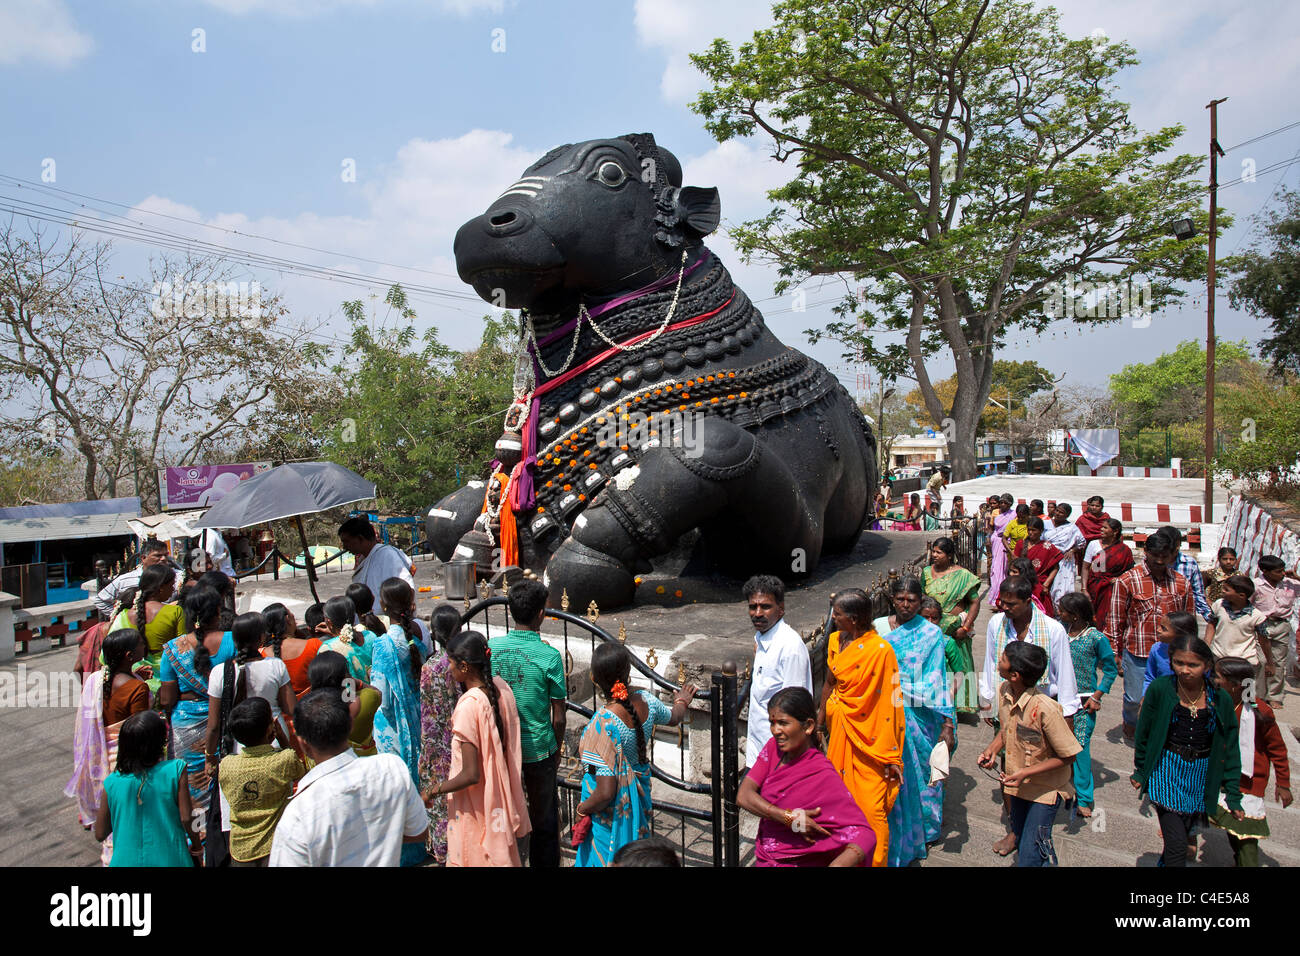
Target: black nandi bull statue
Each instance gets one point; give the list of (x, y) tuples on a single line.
[(652, 399)]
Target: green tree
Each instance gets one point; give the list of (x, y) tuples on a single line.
[(1023, 379), (1260, 433), (416, 417), (34, 478), (959, 159), (1268, 285), (1171, 390)]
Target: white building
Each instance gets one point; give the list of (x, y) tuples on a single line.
[(916, 450)]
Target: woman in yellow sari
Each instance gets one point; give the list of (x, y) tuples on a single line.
[(862, 707)]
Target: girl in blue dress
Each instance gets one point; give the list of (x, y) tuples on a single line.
[(615, 807)]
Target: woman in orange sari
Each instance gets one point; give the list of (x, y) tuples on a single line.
[(863, 709)]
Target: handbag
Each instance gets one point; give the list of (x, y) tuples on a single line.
[(216, 848)]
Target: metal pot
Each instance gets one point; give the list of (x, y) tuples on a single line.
[(459, 578)]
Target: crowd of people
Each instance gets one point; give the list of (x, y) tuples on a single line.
[(1072, 613), (363, 735)]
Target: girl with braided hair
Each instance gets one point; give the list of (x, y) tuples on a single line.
[(615, 807), (254, 676), (153, 616), (439, 694), (344, 639), (224, 585), (395, 673), (283, 641), (109, 696), (186, 663), (486, 808)]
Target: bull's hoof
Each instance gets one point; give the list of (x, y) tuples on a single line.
[(588, 575)]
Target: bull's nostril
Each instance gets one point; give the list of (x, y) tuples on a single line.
[(502, 218)]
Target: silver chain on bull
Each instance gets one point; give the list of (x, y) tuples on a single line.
[(668, 316), (531, 334), (585, 316)]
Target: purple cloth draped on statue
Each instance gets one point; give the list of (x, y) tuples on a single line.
[(998, 555), (810, 781)]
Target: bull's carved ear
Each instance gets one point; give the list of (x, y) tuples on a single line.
[(699, 208)]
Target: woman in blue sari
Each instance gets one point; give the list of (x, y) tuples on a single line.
[(917, 816), (395, 673), (615, 807), (183, 692)]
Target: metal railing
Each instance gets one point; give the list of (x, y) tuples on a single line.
[(720, 822)]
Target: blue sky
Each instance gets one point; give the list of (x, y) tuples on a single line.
[(251, 134)]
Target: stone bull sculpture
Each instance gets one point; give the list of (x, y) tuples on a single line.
[(652, 398)]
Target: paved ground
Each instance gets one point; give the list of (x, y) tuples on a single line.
[(707, 624)]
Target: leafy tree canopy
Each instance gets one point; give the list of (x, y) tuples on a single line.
[(1268, 285), (417, 418), (958, 161)]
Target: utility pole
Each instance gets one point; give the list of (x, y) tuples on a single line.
[(1215, 152)]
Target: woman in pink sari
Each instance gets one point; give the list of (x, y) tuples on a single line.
[(997, 546), (807, 815), (109, 695)]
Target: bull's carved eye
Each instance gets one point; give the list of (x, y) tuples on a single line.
[(611, 174)]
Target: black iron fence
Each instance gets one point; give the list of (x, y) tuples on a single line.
[(701, 813)]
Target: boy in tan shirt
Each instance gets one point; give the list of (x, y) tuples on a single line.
[(1040, 750)]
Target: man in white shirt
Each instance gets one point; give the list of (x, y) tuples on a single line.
[(347, 811), (1062, 534), (376, 562), (152, 552), (215, 545), (1019, 620), (780, 657)]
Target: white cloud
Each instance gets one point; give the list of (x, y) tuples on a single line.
[(311, 8), (412, 209), (682, 27), (40, 31)]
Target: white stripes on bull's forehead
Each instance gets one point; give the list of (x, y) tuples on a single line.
[(529, 186)]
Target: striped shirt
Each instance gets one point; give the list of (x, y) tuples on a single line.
[(1186, 565), (535, 672)]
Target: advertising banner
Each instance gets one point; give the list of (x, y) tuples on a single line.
[(201, 486)]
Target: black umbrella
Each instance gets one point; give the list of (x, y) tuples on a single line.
[(289, 491)]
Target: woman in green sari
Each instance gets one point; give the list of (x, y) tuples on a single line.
[(957, 591)]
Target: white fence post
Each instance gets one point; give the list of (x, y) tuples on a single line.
[(7, 604)]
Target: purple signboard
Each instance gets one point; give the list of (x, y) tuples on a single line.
[(201, 486)]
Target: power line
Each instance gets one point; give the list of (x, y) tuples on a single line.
[(45, 187), (1256, 139), (148, 235), (1253, 229)]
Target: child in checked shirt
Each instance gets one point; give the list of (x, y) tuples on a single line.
[(1040, 752)]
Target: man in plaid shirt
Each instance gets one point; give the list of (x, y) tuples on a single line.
[(1139, 599)]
